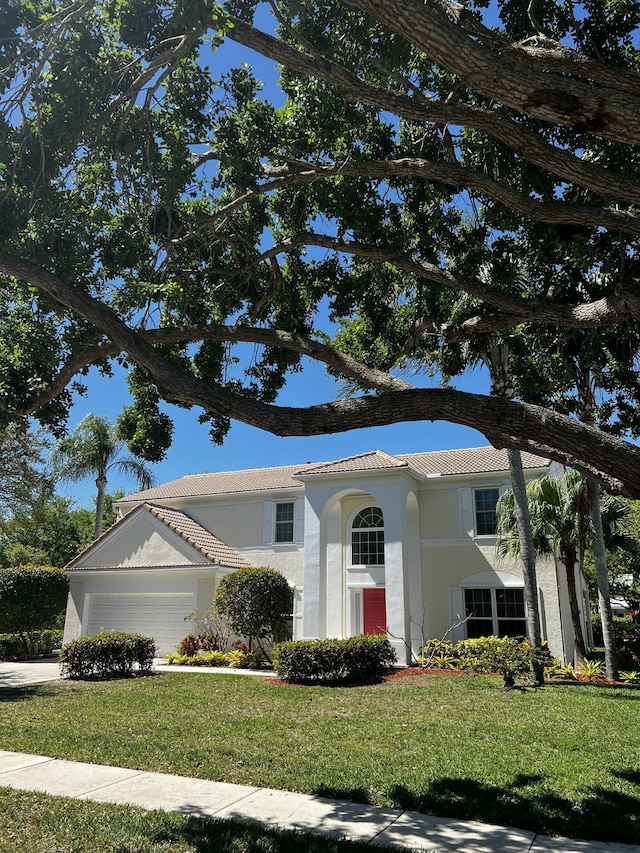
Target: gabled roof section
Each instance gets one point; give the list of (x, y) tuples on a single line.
[(376, 460), (222, 483), (196, 535), (473, 460), (214, 550)]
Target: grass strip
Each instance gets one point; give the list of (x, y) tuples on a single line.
[(37, 823)]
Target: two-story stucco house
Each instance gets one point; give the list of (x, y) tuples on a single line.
[(370, 543)]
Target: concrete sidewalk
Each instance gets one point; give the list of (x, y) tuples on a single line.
[(281, 809)]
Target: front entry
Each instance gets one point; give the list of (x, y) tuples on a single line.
[(374, 611)]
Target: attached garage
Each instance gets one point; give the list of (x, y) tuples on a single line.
[(151, 569), (159, 616)]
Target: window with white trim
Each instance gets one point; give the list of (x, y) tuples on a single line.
[(484, 504), (495, 611), (367, 538), (284, 522)]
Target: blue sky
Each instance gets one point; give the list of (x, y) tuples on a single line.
[(247, 447)]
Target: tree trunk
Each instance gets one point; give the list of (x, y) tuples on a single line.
[(604, 598), (101, 484), (568, 559), (528, 560)]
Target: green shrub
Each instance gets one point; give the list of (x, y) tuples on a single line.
[(257, 602), (505, 655), (107, 655), (12, 647), (354, 660), (31, 597)]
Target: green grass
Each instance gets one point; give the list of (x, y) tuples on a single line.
[(35, 823), (564, 759)]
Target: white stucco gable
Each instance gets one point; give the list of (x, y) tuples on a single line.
[(138, 540), (154, 536)]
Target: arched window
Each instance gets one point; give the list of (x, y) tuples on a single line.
[(367, 538)]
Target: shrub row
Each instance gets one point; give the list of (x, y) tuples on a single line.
[(509, 656), (16, 646), (108, 654), (353, 660)]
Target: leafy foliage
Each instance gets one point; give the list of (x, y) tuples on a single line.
[(29, 643), (110, 654), (31, 597), (257, 601), (160, 210), (352, 660)]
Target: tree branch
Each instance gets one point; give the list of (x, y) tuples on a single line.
[(519, 139), (577, 104), (605, 311), (615, 463)]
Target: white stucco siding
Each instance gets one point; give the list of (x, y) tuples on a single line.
[(142, 540), (237, 522), (249, 521), (288, 559), (439, 512)]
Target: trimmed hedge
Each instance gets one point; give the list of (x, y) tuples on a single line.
[(110, 654), (14, 647), (31, 597), (354, 660)]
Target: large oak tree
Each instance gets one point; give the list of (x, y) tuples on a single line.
[(162, 213)]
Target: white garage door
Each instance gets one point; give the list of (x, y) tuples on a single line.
[(157, 616)]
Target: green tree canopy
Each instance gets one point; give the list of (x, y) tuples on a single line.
[(157, 208)]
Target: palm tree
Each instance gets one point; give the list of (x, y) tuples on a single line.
[(560, 527), (94, 449)]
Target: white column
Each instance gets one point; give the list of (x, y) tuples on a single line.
[(396, 578), (313, 598)]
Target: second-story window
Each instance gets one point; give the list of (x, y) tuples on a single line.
[(284, 522), (367, 538), (485, 501)]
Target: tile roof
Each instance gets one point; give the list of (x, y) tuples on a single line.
[(476, 460), (213, 549), (375, 460), (222, 483), (195, 534)]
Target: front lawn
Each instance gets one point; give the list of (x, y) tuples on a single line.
[(562, 760)]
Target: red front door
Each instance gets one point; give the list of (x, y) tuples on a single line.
[(374, 611)]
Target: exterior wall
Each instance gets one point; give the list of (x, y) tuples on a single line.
[(141, 541), (451, 553), (240, 524), (75, 604)]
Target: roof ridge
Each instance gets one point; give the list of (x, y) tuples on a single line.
[(451, 450)]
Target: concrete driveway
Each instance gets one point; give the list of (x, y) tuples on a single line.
[(20, 673)]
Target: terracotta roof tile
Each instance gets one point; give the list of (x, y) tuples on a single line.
[(213, 549), (375, 460), (222, 483), (195, 534), (474, 460)]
